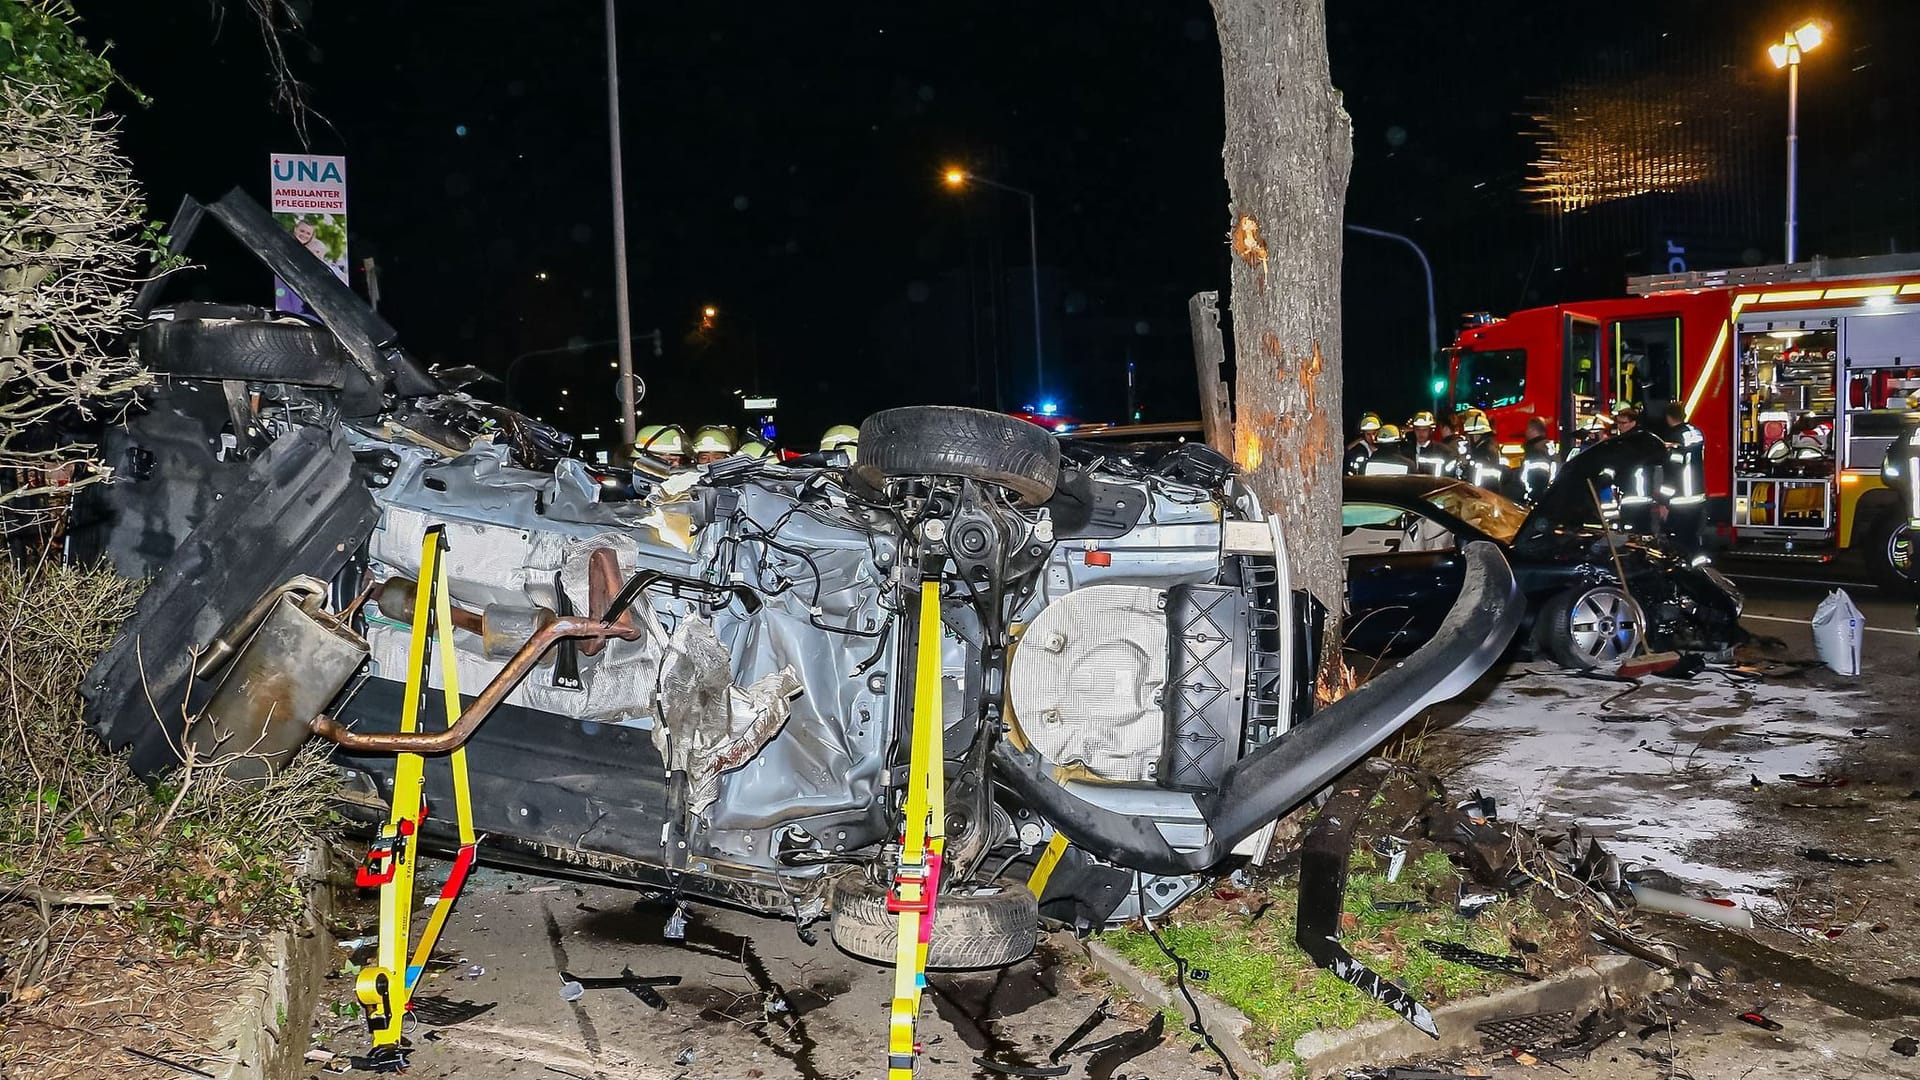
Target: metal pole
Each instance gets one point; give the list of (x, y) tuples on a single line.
[(623, 315), (1033, 254), (1433, 320), (1793, 149)]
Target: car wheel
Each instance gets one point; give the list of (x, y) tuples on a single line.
[(256, 350), (1889, 552), (977, 929), (946, 440), (1592, 626)]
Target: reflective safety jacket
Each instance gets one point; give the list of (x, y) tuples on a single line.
[(1387, 461), (1538, 467), (1683, 482), (1359, 451), (1482, 465), (1901, 470), (1435, 459)]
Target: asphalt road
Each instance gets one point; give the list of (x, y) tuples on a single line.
[(1781, 598), (754, 1000)]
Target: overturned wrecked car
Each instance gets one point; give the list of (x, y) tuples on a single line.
[(701, 681)]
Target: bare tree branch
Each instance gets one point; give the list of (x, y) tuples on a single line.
[(71, 255)]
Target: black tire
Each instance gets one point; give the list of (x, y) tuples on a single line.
[(1586, 612), (1887, 541), (970, 930), (197, 309), (946, 440), (253, 350)]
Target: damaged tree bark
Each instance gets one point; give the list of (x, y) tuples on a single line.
[(1288, 148)]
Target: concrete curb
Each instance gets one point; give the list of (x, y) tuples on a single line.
[(1377, 1042), (265, 1034), (1224, 1022)]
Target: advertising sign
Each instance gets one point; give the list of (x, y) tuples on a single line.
[(310, 201)]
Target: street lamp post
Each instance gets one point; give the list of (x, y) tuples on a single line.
[(958, 178), (1786, 54), (622, 313), (1433, 321)]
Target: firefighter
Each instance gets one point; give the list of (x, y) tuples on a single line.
[(1387, 460), (1637, 490), (1430, 456), (1597, 429), (754, 448), (1901, 472), (842, 437), (1362, 447), (712, 443), (1482, 464), (1683, 482), (1538, 462), (664, 441)]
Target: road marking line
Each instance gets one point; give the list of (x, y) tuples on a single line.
[(1809, 622), (1804, 581)]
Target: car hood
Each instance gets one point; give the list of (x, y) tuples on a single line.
[(1568, 502)]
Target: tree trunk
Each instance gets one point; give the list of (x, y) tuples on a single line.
[(1288, 147)]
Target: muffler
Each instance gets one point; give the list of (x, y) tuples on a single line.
[(284, 661)]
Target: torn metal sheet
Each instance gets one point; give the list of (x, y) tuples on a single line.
[(1323, 890), (711, 726)]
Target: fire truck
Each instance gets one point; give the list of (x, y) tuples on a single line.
[(1797, 375)]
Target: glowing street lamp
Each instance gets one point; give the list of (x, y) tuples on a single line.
[(1785, 53), (957, 178)]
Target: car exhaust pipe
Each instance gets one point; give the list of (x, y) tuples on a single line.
[(510, 676), (1277, 778)]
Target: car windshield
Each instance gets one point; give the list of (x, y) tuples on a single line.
[(1491, 379), (1493, 514)]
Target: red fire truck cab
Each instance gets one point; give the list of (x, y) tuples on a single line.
[(1797, 375)]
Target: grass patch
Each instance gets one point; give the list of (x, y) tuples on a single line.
[(1255, 966), (113, 891)]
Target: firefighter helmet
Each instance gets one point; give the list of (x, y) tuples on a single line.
[(1474, 422), (1597, 422), (713, 439), (1369, 422), (1423, 418), (667, 440), (1388, 434), (842, 437), (755, 449)]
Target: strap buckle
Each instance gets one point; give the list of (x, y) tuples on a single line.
[(383, 856)]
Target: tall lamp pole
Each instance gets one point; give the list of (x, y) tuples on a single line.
[(959, 178), (1785, 53), (1433, 321), (623, 315)]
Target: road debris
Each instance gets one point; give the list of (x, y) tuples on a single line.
[(1760, 1020), (1456, 953), (1839, 859), (1725, 913), (1323, 888), (1905, 1046), (176, 1066), (1009, 1069)]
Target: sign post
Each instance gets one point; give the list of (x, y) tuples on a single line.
[(310, 201)]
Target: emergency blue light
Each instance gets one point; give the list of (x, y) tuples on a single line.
[(1049, 408)]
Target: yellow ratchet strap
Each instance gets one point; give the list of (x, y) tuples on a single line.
[(916, 882), (385, 988)]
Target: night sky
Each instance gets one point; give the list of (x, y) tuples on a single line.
[(783, 164)]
